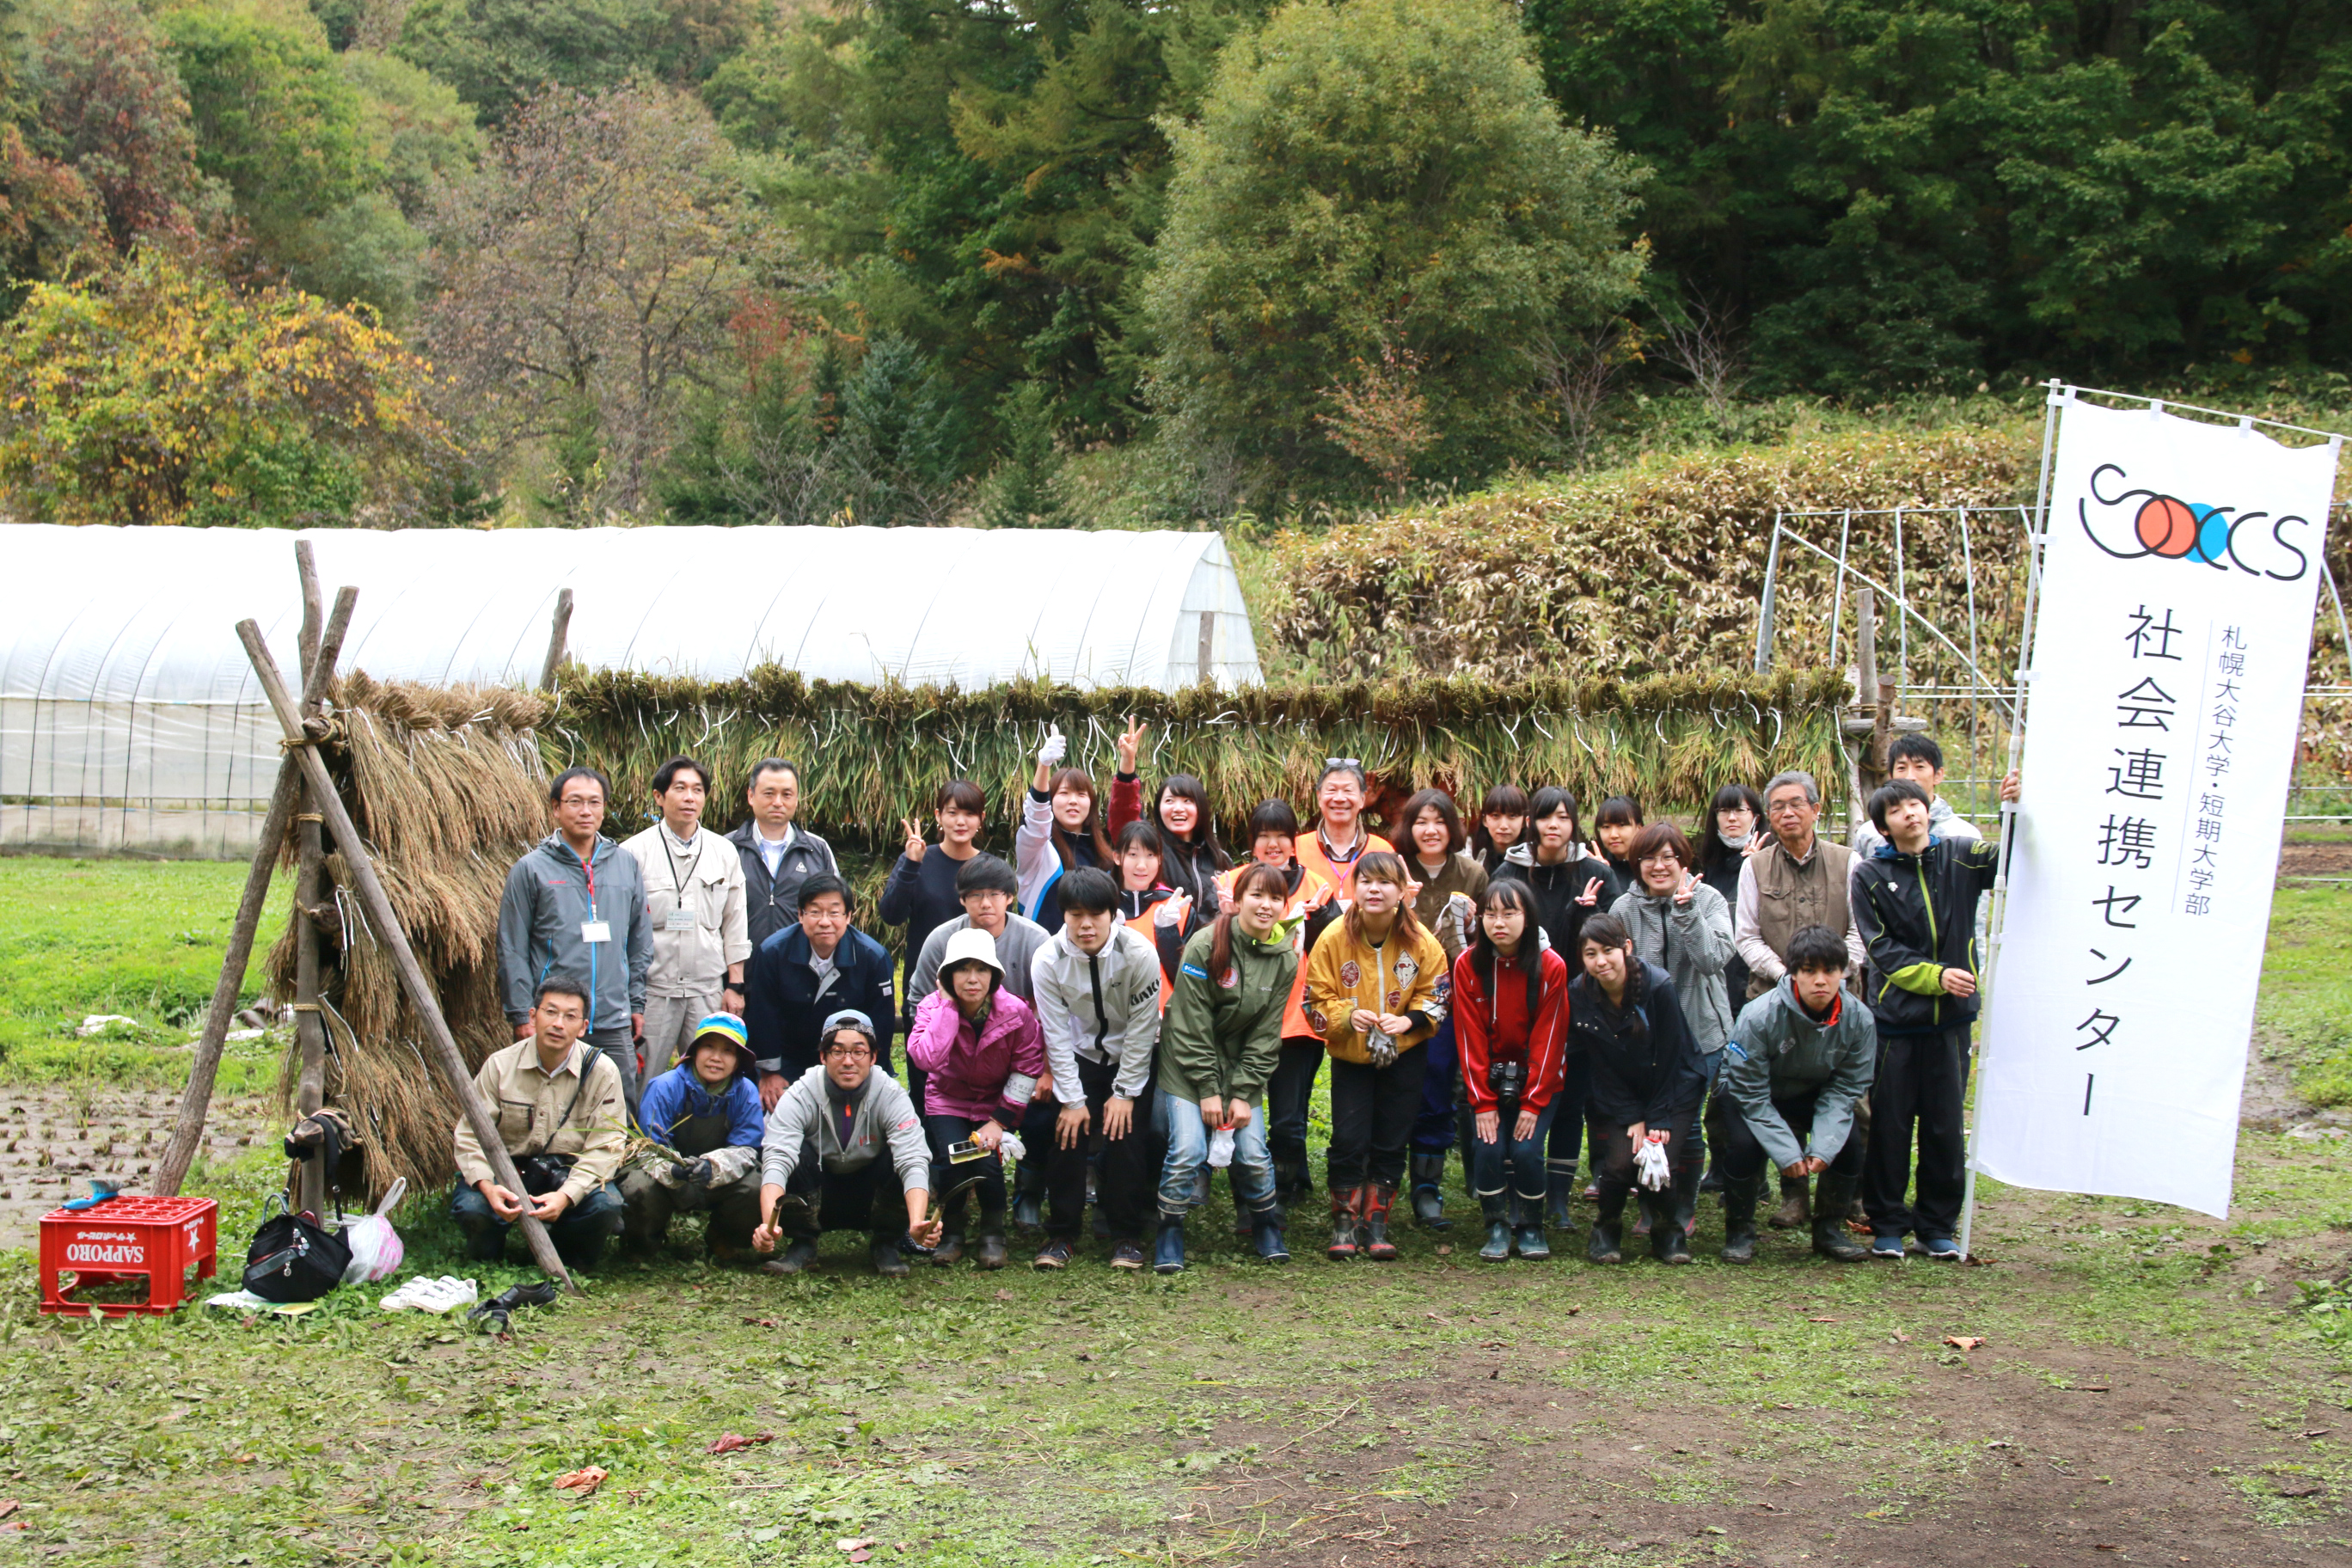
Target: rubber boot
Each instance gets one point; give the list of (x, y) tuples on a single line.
[(1556, 1212), (1347, 1204), (1267, 1230), (1377, 1203), (1029, 1195), (1168, 1254), (1794, 1213), (799, 1253), (992, 1252), (1527, 1231), (888, 1261), (1602, 1248), (1286, 1181), (1830, 1239), (1739, 1219), (1498, 1229), (1244, 1225), (1713, 1181), (1667, 1243), (949, 1249), (1685, 1193), (1429, 1193)]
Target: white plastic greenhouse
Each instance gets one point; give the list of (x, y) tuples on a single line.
[(129, 717)]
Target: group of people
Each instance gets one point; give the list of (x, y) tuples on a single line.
[(1126, 1006)]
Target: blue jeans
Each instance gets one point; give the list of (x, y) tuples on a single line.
[(579, 1236), (1526, 1156), (1188, 1151), (1434, 1128)]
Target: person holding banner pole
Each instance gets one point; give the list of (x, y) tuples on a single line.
[(1915, 905)]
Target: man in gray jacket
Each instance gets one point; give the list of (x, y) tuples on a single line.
[(576, 905), (1798, 1059), (1097, 987), (821, 1160)]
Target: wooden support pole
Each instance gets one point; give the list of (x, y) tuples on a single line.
[(203, 1069), (388, 931), (557, 632), (309, 880)]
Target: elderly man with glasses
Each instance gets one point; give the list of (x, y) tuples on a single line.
[(845, 1149)]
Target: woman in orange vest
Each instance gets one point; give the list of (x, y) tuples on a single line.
[(1314, 904)]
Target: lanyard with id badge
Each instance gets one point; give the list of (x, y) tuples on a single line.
[(683, 917), (593, 929)]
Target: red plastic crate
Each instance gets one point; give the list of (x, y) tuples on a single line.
[(155, 1240)]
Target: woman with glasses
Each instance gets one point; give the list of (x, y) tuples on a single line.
[(1684, 927)]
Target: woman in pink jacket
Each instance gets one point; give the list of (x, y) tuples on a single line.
[(984, 1057)]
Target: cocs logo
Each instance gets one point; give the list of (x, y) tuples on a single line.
[(2174, 529)]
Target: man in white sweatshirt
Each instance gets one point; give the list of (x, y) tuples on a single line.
[(1097, 987)]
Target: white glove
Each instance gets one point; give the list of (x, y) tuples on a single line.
[(1650, 1166), (1009, 1147), (1055, 747), (1221, 1147)]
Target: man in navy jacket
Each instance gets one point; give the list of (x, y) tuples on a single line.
[(804, 973)]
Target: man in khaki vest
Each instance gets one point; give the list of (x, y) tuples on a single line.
[(1798, 880)]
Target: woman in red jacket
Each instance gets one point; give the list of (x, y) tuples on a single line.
[(1510, 1023)]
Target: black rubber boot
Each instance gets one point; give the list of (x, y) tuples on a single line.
[(1739, 1219), (1795, 1211), (1830, 1239), (1602, 1248), (1527, 1231), (1498, 1229), (991, 1253), (1429, 1192), (1556, 1215), (888, 1261), (1667, 1243), (1029, 1195)]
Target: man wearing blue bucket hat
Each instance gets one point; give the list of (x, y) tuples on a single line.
[(707, 1110)]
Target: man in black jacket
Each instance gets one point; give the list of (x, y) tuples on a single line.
[(777, 856), (803, 975), (1915, 906), (1647, 1081)]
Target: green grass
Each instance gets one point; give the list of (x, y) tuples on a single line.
[(1233, 1413), (2307, 1002), (141, 938)]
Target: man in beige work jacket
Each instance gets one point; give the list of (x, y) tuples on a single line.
[(694, 901)]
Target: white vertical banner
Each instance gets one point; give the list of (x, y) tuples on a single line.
[(2169, 649)]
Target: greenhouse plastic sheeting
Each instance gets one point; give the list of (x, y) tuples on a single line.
[(130, 719)]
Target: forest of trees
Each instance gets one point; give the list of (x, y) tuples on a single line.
[(459, 261)]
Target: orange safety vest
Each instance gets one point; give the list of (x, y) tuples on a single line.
[(1308, 849), (1315, 890)]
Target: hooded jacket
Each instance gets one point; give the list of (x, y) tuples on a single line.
[(771, 903), (785, 1003), (1223, 1035), (1917, 917), (1692, 942), (1645, 1066), (1556, 888), (1779, 1052), (1406, 974), (1102, 1007), (707, 879), (1943, 822), (977, 1074), (551, 894), (1496, 1028), (884, 1120)]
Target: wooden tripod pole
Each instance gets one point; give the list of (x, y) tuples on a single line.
[(301, 746), (203, 1070)]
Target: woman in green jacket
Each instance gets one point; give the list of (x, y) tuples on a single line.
[(1217, 1051)]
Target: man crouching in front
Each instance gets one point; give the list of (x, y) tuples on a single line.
[(822, 1165)]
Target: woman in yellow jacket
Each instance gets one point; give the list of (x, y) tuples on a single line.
[(1376, 989)]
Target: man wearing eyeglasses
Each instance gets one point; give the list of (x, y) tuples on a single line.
[(822, 1163)]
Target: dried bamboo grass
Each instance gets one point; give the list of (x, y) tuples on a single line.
[(871, 755), (447, 787)]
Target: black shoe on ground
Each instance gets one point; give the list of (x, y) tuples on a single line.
[(889, 1262), (1054, 1254), (992, 1252), (1602, 1248), (797, 1255), (1128, 1254)]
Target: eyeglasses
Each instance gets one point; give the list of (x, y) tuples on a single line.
[(849, 1050), (1664, 857), (1342, 762)]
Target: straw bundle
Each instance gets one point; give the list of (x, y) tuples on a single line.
[(447, 788)]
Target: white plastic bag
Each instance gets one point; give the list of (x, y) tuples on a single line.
[(1221, 1147), (376, 1251)]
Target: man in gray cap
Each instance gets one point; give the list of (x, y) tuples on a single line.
[(822, 1163)]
